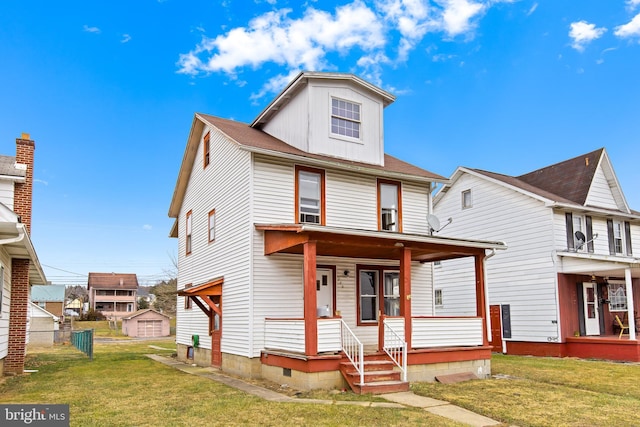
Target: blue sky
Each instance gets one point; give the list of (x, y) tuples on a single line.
[(108, 90)]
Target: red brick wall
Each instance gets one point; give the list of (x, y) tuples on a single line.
[(23, 192), (14, 362)]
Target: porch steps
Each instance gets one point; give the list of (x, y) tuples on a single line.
[(379, 377)]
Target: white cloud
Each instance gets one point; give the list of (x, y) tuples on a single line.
[(274, 37), (532, 9), (631, 29), (41, 181), (458, 14), (582, 33), (89, 29), (125, 38), (147, 227), (370, 28), (632, 4)]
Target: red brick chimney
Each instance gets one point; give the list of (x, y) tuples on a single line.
[(22, 197), (23, 192)]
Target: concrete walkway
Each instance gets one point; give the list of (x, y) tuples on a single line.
[(395, 400)]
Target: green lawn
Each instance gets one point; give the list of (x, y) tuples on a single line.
[(538, 391), (122, 387)]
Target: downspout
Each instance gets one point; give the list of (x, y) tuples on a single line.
[(486, 290), (19, 237)]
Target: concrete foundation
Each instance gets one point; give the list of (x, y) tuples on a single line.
[(428, 373), (327, 380)]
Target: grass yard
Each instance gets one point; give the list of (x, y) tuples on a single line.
[(122, 387), (537, 391)]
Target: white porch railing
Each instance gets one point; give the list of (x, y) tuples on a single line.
[(396, 348), (288, 335), (428, 332), (353, 348)]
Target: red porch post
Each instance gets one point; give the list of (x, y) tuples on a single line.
[(310, 300), (481, 301), (405, 293)]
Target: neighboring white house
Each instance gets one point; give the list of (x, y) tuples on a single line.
[(19, 265), (572, 264), (297, 235)]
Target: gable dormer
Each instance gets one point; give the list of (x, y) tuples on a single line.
[(332, 114)]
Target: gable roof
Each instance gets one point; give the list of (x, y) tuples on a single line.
[(565, 183), (47, 293), (144, 310), (570, 179), (257, 141), (112, 281)]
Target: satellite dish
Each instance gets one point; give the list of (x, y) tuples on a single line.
[(434, 223), (580, 237)]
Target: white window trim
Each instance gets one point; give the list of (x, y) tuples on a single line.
[(462, 194), (359, 122), (622, 237)]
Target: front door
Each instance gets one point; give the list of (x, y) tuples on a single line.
[(324, 290), (215, 328), (590, 301)]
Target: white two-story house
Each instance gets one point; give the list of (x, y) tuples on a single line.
[(304, 248), (572, 266)]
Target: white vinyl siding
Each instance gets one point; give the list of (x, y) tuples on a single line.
[(600, 193), (522, 274), (229, 257), (415, 206), (6, 193), (311, 132)]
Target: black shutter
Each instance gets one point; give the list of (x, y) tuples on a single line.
[(569, 220), (587, 220), (505, 313), (612, 243), (627, 237)]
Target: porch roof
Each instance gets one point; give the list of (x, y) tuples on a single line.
[(356, 243), (213, 287)]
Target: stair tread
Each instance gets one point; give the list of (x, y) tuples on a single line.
[(372, 373), (377, 383)]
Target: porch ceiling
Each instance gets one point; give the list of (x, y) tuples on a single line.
[(355, 243)]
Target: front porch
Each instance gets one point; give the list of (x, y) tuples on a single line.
[(440, 345), (318, 341)]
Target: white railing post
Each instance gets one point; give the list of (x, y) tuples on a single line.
[(396, 348), (353, 348)]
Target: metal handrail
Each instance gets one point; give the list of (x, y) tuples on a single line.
[(396, 349), (353, 348)]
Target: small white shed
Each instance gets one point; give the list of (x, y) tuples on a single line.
[(42, 326), (146, 323)]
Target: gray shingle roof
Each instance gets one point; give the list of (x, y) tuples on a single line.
[(8, 167)]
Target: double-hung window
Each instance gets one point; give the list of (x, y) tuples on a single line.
[(378, 292), (389, 202), (309, 195), (345, 118), (619, 237), (188, 233)]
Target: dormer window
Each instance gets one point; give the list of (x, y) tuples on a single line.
[(345, 118)]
